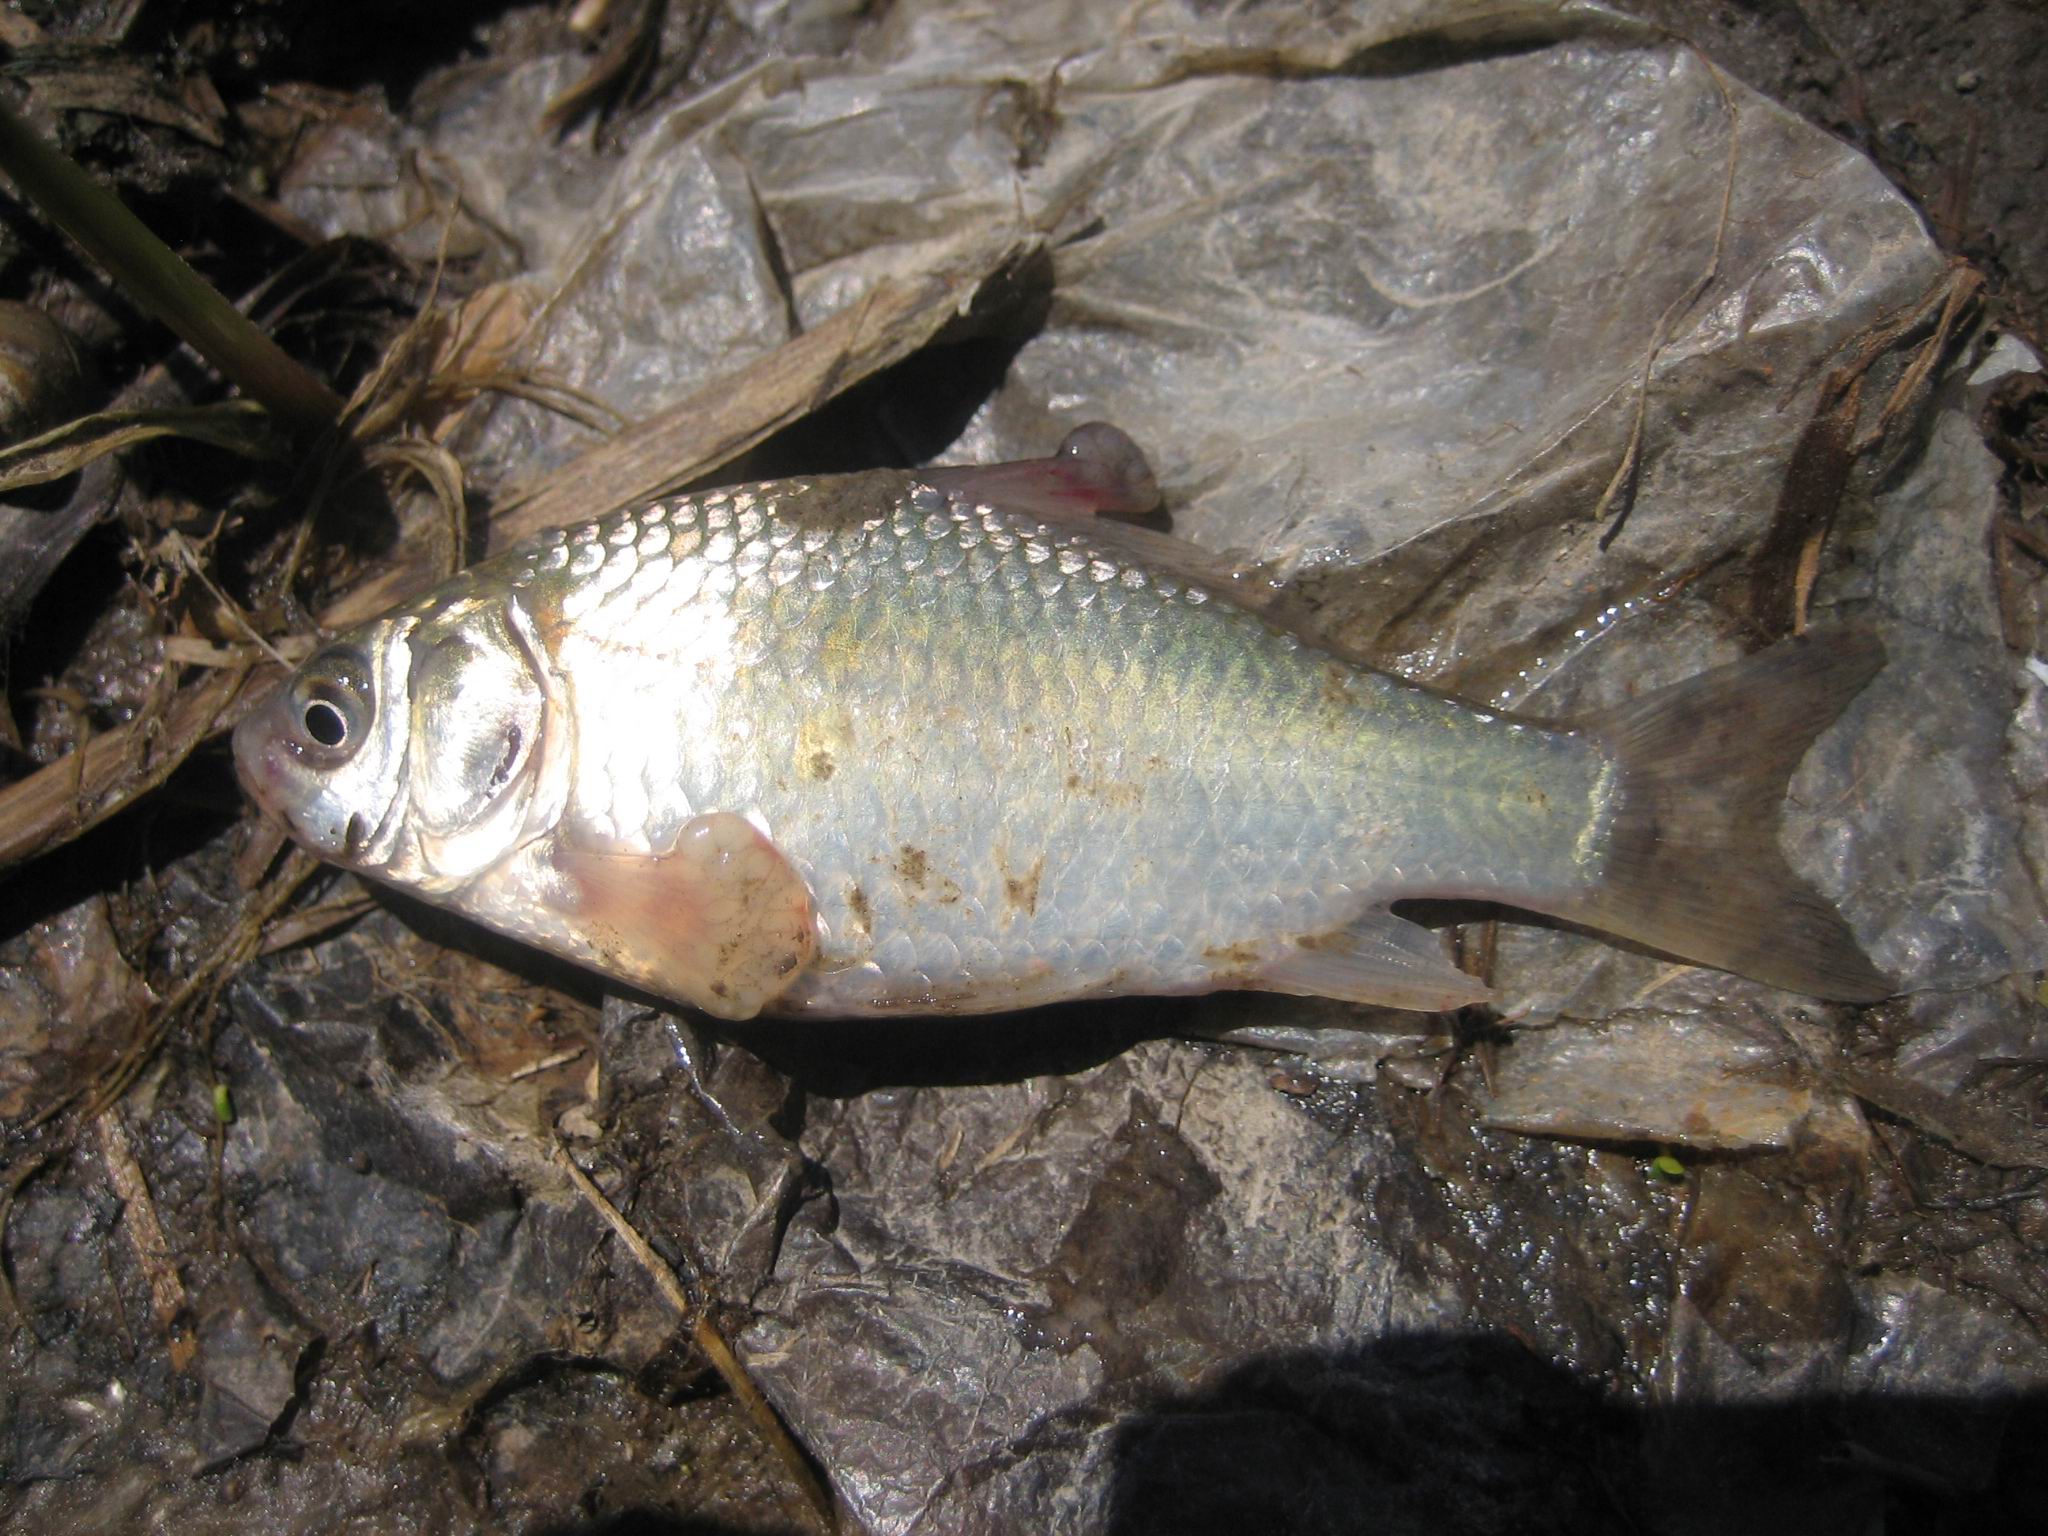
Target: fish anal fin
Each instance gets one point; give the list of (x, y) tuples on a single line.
[(721, 921), (1378, 959)]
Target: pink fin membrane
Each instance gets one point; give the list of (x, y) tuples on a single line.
[(1096, 469), (722, 921), (1380, 959)]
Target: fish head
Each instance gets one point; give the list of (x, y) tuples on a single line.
[(407, 750), (325, 752)]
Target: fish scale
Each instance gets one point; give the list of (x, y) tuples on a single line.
[(945, 742)]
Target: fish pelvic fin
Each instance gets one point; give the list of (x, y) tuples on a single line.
[(1380, 959), (1692, 865)]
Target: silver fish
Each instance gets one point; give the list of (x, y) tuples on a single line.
[(945, 741)]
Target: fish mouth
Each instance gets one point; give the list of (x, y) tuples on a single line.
[(259, 765)]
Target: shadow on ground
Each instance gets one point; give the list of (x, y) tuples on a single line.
[(1452, 1434)]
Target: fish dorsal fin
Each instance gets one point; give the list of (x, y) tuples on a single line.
[(1098, 469), (721, 921), (1380, 959)]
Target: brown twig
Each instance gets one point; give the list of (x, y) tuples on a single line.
[(1957, 293), (82, 789), (546, 1063), (709, 1341), (317, 920), (146, 1237), (1951, 211), (1809, 498), (1817, 474)]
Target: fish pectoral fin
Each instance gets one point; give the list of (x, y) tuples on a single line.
[(722, 921), (1380, 959)]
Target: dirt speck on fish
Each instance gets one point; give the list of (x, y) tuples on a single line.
[(946, 741)]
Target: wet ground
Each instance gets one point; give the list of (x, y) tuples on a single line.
[(288, 1222)]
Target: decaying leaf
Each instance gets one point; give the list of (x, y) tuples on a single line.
[(240, 426)]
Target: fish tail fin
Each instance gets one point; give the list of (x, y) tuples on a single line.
[(1692, 864)]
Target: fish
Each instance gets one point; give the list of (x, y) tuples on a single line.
[(955, 741)]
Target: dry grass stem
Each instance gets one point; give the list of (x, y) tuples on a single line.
[(1620, 493)]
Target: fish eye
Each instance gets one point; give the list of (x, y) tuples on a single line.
[(325, 724), (331, 703)]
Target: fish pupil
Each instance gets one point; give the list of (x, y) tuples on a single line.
[(325, 724)]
